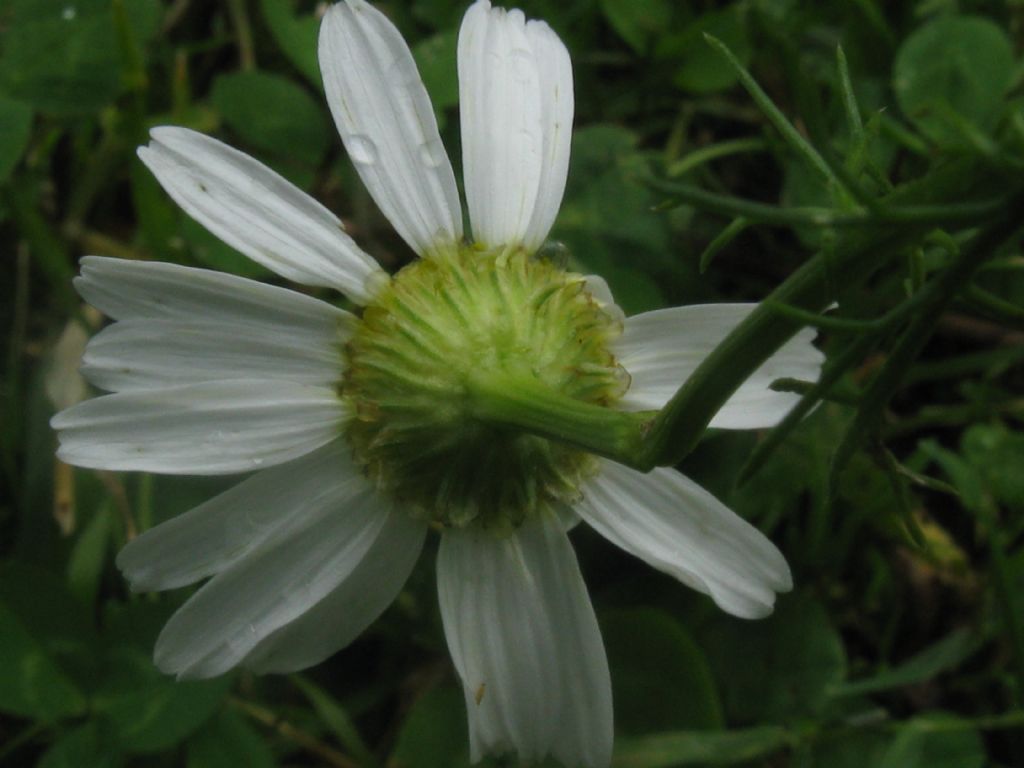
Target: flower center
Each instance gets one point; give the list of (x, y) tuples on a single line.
[(443, 325)]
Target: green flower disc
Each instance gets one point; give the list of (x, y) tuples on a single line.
[(443, 324)]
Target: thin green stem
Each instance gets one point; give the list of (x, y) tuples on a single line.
[(528, 404), (957, 367), (683, 420), (763, 213), (930, 417), (935, 298), (853, 119), (789, 133), (726, 236), (830, 374), (705, 155), (243, 34), (994, 307), (827, 322)]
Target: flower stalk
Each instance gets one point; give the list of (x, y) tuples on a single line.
[(525, 403), (646, 440)]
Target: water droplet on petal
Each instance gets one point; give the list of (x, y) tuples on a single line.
[(361, 149), (556, 252), (432, 153)]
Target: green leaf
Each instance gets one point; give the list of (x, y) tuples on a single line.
[(697, 71), (665, 750), (434, 733), (652, 658), (947, 653), (144, 17), (89, 557), (935, 741), (852, 749), (44, 635), (273, 114), (156, 214), (606, 218), (965, 478), (228, 741), (995, 452), (337, 719), (779, 668), (638, 22), (146, 710), (31, 682), (955, 65), (436, 59), (60, 56), (15, 130), (83, 747), (295, 35), (210, 251)]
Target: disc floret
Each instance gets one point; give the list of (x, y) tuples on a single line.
[(444, 332)]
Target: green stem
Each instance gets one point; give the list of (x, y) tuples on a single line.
[(683, 420), (243, 34), (727, 205), (853, 121), (723, 239), (935, 298), (1008, 595), (526, 403), (706, 154), (789, 133)]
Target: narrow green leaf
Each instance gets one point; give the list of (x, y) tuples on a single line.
[(15, 129), (336, 718), (853, 120), (935, 741), (666, 750), (789, 133), (228, 741), (722, 239), (434, 732), (944, 655), (89, 557)]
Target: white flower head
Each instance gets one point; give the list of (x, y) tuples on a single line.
[(361, 427)]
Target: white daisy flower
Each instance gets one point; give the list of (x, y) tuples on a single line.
[(366, 430)]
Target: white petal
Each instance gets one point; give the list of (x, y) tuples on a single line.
[(202, 429), (225, 529), (557, 103), (152, 354), (272, 586), (128, 290), (661, 349), (255, 210), (384, 117), (679, 528), (525, 642), (501, 110), (351, 607), (599, 290)]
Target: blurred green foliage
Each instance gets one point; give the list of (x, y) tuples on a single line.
[(903, 645)]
